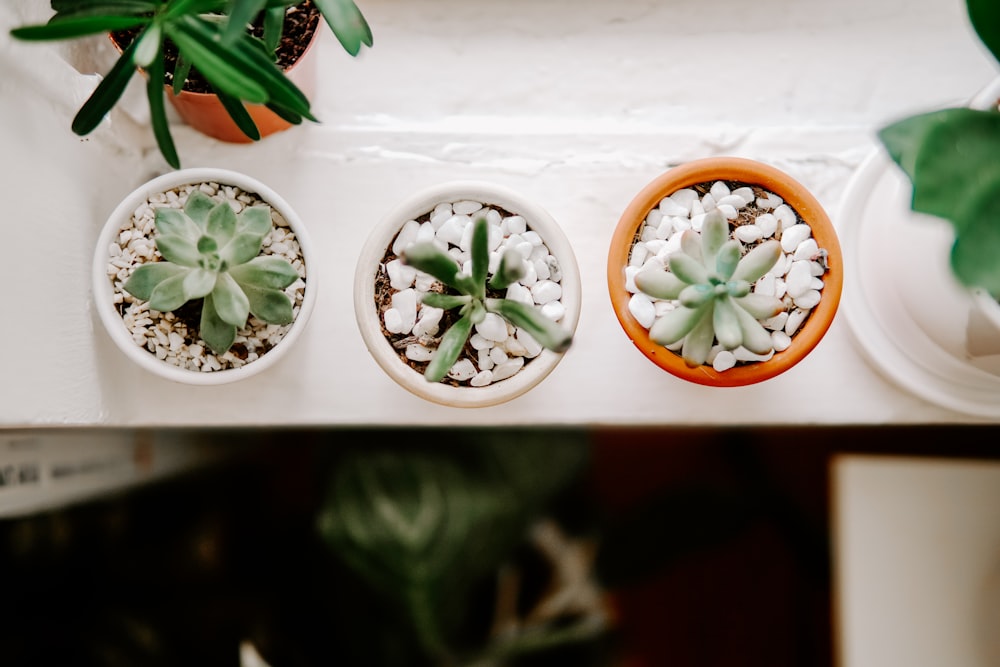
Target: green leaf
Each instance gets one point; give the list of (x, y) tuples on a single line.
[(73, 8), (430, 259), (255, 220), (444, 301), (677, 323), (171, 221), (714, 232), (158, 113), (448, 349), (197, 207), (241, 249), (548, 334), (217, 334), (240, 115), (221, 224), (347, 23), (727, 258), (760, 306), (231, 304), (77, 26), (272, 272), (480, 256), (146, 277), (726, 324), (274, 24), (169, 295), (695, 296), (659, 283), (975, 254), (510, 270), (756, 338), (687, 268), (107, 93), (270, 305), (198, 283), (698, 343), (182, 67), (985, 18), (757, 262), (149, 46), (179, 250), (285, 114), (220, 67)]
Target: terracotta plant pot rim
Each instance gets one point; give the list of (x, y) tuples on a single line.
[(369, 320), (751, 172), (102, 288)]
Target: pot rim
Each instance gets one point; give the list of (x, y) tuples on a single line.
[(751, 172), (369, 321), (102, 288)]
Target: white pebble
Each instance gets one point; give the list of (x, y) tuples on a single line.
[(780, 341), (482, 379), (642, 309), (400, 274), (493, 328), (417, 352), (466, 207), (808, 300), (748, 233), (546, 290), (724, 360), (462, 370), (795, 319), (792, 236), (507, 368)]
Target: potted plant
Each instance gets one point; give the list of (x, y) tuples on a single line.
[(467, 294), (926, 193), (239, 53), (725, 271), (203, 276)]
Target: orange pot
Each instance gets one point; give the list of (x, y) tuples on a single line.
[(750, 172), (205, 113)]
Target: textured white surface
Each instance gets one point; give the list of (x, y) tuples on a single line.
[(917, 561), (576, 104)]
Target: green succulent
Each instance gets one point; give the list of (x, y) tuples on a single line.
[(712, 278), (211, 253), (472, 299), (212, 37)]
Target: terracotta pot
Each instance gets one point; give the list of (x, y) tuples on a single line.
[(749, 172), (370, 264), (104, 290)]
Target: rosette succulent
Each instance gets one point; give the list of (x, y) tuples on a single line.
[(711, 279), (213, 253), (472, 295)]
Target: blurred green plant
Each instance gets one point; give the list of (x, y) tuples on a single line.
[(211, 36), (951, 159)]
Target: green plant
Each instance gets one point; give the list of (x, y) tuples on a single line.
[(210, 36), (474, 300), (711, 278), (211, 253), (950, 157)]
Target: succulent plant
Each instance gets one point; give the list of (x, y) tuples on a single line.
[(474, 300), (712, 278), (212, 253)]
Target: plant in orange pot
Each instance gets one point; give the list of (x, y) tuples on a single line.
[(234, 58), (725, 271)]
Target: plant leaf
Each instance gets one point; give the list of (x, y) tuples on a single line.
[(448, 349), (760, 306), (171, 221), (347, 23), (240, 115), (757, 262), (197, 207), (255, 220), (147, 276), (695, 296), (659, 283), (975, 252), (270, 305), (714, 232), (219, 66), (509, 271), (546, 333), (430, 259), (81, 25), (698, 343), (217, 334), (687, 268), (725, 324), (985, 18), (220, 224), (444, 301), (198, 283), (677, 323), (179, 250), (756, 338), (168, 295), (274, 24), (241, 15), (727, 258), (157, 111), (241, 249), (231, 304), (272, 272), (480, 256), (107, 93)]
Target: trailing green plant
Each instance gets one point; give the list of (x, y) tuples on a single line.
[(211, 36), (473, 300), (212, 253), (712, 278), (951, 159)]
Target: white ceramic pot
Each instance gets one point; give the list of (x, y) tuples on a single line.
[(370, 263), (103, 287), (908, 313)]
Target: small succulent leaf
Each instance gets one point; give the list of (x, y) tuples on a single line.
[(231, 303), (677, 323), (218, 334), (175, 222), (687, 268), (727, 258), (444, 301), (198, 206), (475, 309), (737, 288), (659, 283), (268, 304), (755, 337), (241, 249), (255, 220), (198, 283), (207, 245), (698, 343), (430, 259), (726, 324), (148, 45), (693, 296), (758, 261), (266, 271), (347, 24), (760, 306), (179, 250), (547, 333), (448, 350), (691, 244), (221, 224), (147, 276), (169, 294), (985, 18), (714, 233), (509, 271), (480, 256)]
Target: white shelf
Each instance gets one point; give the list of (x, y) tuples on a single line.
[(577, 105)]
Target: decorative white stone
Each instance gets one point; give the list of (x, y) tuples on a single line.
[(792, 236), (809, 300), (780, 341), (467, 207), (723, 361), (546, 290), (748, 233), (482, 379), (493, 328), (428, 321), (508, 368), (642, 309), (417, 352), (462, 370), (799, 279), (400, 274)]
